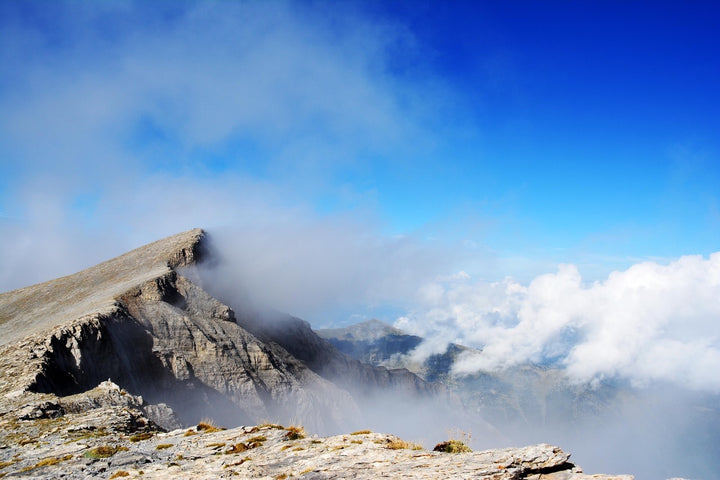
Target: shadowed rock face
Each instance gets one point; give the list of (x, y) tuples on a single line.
[(322, 357), (158, 335)]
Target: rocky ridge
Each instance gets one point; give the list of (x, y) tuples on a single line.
[(138, 321), (118, 442)]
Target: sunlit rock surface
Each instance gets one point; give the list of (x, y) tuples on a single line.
[(94, 445)]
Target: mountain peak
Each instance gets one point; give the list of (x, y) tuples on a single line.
[(368, 330), (36, 307)]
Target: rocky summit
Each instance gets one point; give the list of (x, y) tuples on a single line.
[(116, 370)]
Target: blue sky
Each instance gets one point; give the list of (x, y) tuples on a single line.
[(497, 138)]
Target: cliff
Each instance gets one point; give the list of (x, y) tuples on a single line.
[(139, 322)]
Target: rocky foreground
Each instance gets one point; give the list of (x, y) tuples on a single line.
[(115, 440)]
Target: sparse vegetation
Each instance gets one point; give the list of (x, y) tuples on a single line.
[(237, 448), (120, 473), (315, 442), (141, 436), (294, 433), (282, 476), (104, 451), (163, 446), (359, 442), (215, 445), (452, 446), (361, 432), (90, 433), (5, 464), (251, 443), (400, 444), (47, 462), (207, 426)]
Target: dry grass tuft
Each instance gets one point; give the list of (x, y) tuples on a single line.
[(237, 448), (47, 462), (361, 432), (452, 446), (120, 473), (295, 433), (163, 446), (103, 451), (207, 426), (141, 436), (399, 444)]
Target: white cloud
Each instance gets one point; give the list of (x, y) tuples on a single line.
[(650, 322)]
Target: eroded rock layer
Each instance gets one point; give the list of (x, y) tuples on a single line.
[(157, 334)]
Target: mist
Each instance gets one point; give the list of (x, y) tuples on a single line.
[(649, 418), (302, 139)]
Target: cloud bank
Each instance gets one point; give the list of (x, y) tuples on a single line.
[(650, 322)]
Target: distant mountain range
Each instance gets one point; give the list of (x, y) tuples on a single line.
[(528, 394)]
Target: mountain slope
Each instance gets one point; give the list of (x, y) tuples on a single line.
[(521, 396), (137, 321), (322, 357), (378, 343)]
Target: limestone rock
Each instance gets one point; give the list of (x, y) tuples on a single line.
[(137, 321), (263, 452)]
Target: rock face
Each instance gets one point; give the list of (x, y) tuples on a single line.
[(323, 358), (137, 321)]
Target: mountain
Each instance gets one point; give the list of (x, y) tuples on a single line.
[(378, 343), (101, 369), (371, 341), (520, 396), (137, 321), (321, 356)]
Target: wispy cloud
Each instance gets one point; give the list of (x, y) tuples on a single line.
[(124, 122)]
